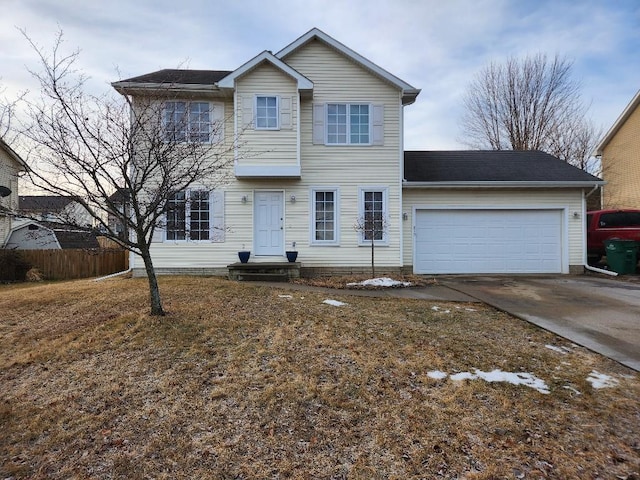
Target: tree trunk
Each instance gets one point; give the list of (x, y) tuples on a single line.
[(154, 290), (373, 267)]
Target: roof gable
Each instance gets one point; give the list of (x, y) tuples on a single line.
[(626, 113), (492, 168), (12, 155), (409, 93), (229, 81)]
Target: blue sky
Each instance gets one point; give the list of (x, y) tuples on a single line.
[(434, 45)]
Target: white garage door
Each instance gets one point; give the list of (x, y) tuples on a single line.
[(488, 241)]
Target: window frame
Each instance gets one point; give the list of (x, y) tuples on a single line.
[(336, 216), (186, 135), (187, 217), (362, 241), (277, 116), (349, 125)]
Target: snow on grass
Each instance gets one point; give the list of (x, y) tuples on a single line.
[(435, 308), (519, 378), (562, 350), (285, 296), (380, 282), (334, 303), (436, 374), (601, 380)]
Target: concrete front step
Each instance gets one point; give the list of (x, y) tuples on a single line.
[(264, 271)]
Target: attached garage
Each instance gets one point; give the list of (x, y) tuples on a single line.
[(492, 212), (488, 241)]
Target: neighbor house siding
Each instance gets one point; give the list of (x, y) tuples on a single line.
[(568, 199), (621, 166), (8, 178)]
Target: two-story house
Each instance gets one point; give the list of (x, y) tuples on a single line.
[(10, 166), (324, 128), (619, 153)]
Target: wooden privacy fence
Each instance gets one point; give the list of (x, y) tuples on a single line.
[(77, 263)]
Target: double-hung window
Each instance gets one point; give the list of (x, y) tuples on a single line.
[(325, 217), (348, 124), (267, 113), (188, 215), (187, 121), (373, 215)]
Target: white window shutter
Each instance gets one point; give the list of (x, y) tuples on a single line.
[(217, 216), (247, 111), (285, 113), (378, 125), (318, 124), (217, 122), (158, 233)]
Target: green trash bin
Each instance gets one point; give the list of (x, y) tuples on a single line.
[(622, 255)]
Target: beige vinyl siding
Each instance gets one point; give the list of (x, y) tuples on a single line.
[(267, 147), (338, 80), (621, 166), (571, 199), (346, 167)]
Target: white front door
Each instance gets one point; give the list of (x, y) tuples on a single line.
[(269, 223)]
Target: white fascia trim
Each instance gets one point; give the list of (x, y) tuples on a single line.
[(501, 184), (13, 155), (408, 91), (229, 81), (275, 171), (626, 113)]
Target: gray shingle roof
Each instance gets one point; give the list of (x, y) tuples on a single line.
[(43, 203), (472, 166), (188, 77)]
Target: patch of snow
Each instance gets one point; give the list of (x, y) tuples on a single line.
[(463, 376), (285, 296), (470, 310), (601, 380), (435, 308), (572, 389), (562, 350), (335, 303), (519, 378), (380, 282), (436, 374)]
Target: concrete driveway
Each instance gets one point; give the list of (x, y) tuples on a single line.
[(600, 314)]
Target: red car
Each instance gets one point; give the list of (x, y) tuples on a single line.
[(606, 224)]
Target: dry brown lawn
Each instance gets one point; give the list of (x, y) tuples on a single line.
[(248, 382)]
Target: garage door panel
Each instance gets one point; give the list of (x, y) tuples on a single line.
[(488, 241)]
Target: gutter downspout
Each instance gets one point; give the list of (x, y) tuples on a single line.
[(99, 279)]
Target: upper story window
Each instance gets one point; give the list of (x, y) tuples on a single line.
[(267, 113), (348, 124), (187, 121)]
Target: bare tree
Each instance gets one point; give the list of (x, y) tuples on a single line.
[(372, 225), (529, 104), (87, 146)]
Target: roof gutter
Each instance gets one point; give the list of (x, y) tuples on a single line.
[(500, 184), (132, 87)]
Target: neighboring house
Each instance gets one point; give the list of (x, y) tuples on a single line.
[(34, 235), (10, 166), (329, 124), (619, 153), (120, 201), (54, 208)]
